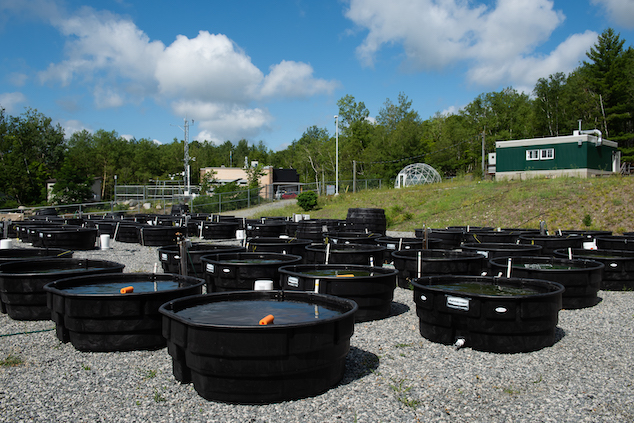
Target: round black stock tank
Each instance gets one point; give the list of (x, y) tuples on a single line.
[(469, 231), (351, 237), (170, 257), (115, 311), (615, 242), (590, 235), (392, 244), (294, 246), (219, 230), (470, 228), (488, 313), (48, 211), (265, 228), (618, 273), (581, 278), (450, 238), (179, 209), (550, 243), (105, 226), (217, 343), (492, 250), (314, 229), (22, 282), (370, 220), (128, 232), (156, 236), (418, 263), (372, 288), (363, 254), (17, 254), (72, 238), (240, 271), (500, 237), (22, 228)]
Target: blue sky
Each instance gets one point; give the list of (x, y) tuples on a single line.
[(268, 70)]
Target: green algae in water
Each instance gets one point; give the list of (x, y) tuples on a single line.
[(115, 287), (338, 272), (486, 289), (249, 312)]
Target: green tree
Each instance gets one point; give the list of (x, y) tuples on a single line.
[(608, 77), (31, 149), (72, 184)]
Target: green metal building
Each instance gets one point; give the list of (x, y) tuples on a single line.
[(583, 154)]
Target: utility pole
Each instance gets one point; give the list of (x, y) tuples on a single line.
[(483, 171), (186, 158)]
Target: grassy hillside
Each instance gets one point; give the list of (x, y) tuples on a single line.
[(564, 203)]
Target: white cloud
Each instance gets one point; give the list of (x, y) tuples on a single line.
[(525, 71), (219, 122), (11, 101), (294, 79), (71, 126), (497, 42), (208, 67), (208, 77), (620, 11), (18, 79)]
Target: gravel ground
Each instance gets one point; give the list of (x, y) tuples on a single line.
[(392, 374)]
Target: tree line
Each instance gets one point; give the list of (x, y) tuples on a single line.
[(599, 92)]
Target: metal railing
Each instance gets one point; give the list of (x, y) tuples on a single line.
[(136, 198)]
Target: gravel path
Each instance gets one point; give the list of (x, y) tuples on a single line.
[(392, 374)]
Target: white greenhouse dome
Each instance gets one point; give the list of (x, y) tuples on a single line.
[(417, 174)]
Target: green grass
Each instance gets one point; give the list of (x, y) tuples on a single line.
[(11, 361), (564, 203)]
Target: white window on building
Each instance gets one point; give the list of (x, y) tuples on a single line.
[(543, 154), (547, 154), (532, 154)]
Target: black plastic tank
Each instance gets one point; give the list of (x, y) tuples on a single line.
[(22, 282), (101, 312), (372, 288), (217, 342), (488, 313)]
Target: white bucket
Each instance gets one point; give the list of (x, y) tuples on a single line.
[(6, 244), (263, 285), (104, 241), (241, 234)]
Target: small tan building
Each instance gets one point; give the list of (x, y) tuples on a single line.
[(271, 180)]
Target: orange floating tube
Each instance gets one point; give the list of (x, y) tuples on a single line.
[(346, 276), (268, 320), (127, 290)]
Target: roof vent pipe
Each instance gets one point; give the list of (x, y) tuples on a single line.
[(595, 132)]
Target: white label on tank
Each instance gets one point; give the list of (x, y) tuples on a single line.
[(391, 246), (501, 310), (423, 297), (163, 257), (226, 270), (614, 264), (459, 303), (210, 267), (293, 281), (484, 253)]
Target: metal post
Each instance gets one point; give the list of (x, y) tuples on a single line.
[(483, 172), (337, 155), (354, 176)]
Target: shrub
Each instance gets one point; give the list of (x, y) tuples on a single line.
[(307, 200)]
